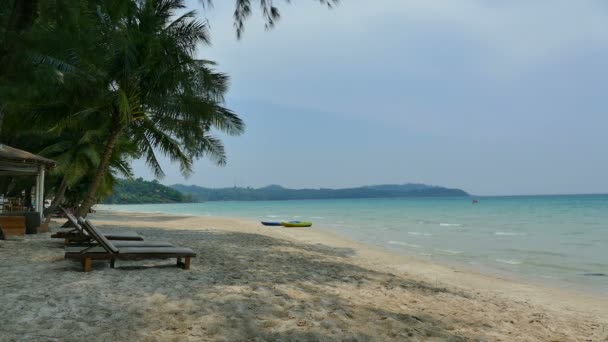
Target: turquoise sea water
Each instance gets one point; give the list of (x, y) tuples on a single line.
[(549, 239)]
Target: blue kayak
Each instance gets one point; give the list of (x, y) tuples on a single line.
[(274, 224)]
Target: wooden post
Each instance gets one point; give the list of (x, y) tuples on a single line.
[(38, 187), (112, 261), (187, 264), (87, 264), (39, 196)]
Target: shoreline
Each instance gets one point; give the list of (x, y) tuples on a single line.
[(376, 256), (254, 283), (512, 276)]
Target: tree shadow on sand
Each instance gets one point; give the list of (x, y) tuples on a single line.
[(242, 287), (285, 290)]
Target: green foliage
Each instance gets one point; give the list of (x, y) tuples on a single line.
[(275, 192), (139, 191), (270, 12), (97, 83), (103, 82)]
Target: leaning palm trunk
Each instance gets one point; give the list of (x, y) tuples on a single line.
[(56, 201), (58, 197), (104, 163)]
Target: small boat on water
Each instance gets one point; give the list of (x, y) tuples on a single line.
[(272, 224), (296, 224)]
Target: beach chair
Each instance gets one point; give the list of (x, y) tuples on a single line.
[(106, 250), (77, 235), (90, 229)]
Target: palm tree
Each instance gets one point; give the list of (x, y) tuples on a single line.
[(131, 67), (77, 153), (269, 11)]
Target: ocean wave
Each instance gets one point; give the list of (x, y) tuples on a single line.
[(449, 251), (405, 244), (273, 216), (450, 224), (508, 262), (509, 234), (420, 234), (317, 217)]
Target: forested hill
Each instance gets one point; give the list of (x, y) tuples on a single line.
[(139, 191), (276, 192)]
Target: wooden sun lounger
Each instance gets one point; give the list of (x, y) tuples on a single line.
[(91, 229), (122, 243), (107, 251), (77, 235)]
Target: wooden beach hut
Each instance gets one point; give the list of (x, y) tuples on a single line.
[(16, 162)]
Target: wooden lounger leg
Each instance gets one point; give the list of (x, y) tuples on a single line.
[(187, 263), (179, 262), (112, 261), (87, 264)]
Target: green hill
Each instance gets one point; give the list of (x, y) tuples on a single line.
[(277, 192), (139, 191)]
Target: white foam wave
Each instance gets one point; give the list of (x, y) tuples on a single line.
[(419, 234), (509, 234), (405, 244), (317, 217), (273, 216), (449, 251), (508, 262), (450, 224)]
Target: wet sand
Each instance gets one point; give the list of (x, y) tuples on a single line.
[(255, 283)]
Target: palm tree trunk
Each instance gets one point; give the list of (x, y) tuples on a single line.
[(58, 196), (91, 196), (56, 201)]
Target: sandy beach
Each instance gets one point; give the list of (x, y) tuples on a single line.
[(255, 283)]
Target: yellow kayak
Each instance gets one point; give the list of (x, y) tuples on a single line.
[(296, 224)]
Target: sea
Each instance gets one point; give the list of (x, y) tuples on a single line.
[(560, 240)]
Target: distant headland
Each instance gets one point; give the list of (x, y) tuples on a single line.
[(139, 191), (277, 192)]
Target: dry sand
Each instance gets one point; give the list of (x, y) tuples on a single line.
[(255, 283)]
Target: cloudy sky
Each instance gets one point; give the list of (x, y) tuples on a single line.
[(494, 97)]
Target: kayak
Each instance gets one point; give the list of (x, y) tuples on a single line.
[(274, 224), (296, 224)]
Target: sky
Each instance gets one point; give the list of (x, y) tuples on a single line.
[(493, 97)]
